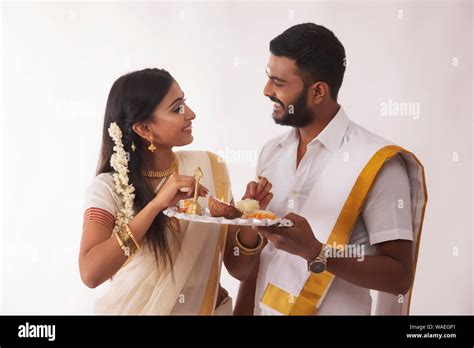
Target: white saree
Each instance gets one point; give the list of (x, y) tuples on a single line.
[(143, 287)]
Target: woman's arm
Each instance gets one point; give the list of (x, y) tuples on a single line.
[(101, 256), (238, 264), (245, 303)]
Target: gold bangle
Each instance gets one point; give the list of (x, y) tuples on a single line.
[(130, 234), (247, 251), (122, 243), (126, 241), (119, 240)]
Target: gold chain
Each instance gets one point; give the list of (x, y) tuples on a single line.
[(161, 173)]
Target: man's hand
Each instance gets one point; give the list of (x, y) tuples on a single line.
[(259, 191), (389, 270), (297, 240)]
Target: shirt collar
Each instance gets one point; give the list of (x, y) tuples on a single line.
[(290, 138), (331, 136)]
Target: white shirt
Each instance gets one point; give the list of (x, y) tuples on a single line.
[(386, 214)]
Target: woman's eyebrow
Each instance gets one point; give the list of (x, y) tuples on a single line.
[(177, 99)]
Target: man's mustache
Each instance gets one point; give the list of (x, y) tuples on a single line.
[(275, 100)]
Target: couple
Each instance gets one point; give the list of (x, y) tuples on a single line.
[(357, 201)]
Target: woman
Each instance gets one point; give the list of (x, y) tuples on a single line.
[(157, 265)]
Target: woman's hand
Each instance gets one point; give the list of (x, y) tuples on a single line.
[(176, 188), (259, 191)]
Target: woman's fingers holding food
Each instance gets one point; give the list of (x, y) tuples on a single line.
[(187, 185), (203, 191)]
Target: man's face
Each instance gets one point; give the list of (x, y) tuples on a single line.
[(288, 93)]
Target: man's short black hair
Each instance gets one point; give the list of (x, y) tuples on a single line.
[(318, 53)]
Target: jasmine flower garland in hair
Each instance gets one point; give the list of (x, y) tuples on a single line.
[(119, 162)]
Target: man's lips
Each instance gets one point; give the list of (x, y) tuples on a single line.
[(277, 107)]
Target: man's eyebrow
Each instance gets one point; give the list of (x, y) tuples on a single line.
[(177, 99), (274, 77)]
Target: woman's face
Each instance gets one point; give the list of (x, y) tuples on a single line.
[(172, 120)]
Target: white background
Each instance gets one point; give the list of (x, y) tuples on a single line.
[(59, 61)]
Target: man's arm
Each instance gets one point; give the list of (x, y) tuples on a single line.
[(388, 220), (389, 270)]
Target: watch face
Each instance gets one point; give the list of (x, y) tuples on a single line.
[(317, 267)]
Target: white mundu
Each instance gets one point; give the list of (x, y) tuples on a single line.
[(353, 187)]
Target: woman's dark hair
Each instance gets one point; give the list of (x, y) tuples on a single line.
[(318, 53), (133, 98)]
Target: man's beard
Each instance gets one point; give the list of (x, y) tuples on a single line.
[(300, 116)]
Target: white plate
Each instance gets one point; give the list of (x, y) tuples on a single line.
[(207, 218)]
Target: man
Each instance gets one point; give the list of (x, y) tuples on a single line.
[(356, 200)]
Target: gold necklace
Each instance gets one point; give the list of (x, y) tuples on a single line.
[(158, 174)]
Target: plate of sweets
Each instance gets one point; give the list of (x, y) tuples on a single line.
[(244, 213)]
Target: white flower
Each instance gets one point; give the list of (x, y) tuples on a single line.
[(119, 161)]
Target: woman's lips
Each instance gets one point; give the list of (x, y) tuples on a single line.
[(188, 129)]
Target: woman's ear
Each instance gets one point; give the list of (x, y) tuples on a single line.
[(142, 130), (319, 90)]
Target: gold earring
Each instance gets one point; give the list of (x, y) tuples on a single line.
[(133, 146), (152, 146)]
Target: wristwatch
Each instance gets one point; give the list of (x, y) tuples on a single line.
[(318, 265)]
